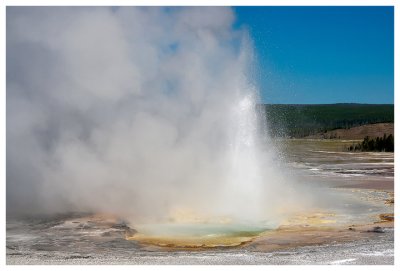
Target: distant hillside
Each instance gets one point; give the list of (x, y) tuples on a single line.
[(304, 120), (357, 133)]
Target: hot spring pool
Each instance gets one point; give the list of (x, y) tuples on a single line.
[(196, 234)]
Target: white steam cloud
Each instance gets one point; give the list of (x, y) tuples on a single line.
[(135, 111)]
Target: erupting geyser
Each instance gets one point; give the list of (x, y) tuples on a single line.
[(147, 113)]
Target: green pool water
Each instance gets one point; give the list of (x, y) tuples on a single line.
[(197, 235)]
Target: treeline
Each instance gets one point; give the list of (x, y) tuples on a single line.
[(303, 120), (381, 144)]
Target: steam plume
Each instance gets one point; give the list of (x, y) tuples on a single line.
[(141, 112)]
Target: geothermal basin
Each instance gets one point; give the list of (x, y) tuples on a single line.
[(341, 232)]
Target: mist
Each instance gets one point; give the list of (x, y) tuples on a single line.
[(147, 113)]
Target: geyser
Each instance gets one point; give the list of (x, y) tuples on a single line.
[(145, 112)]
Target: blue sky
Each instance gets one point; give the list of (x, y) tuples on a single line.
[(312, 55)]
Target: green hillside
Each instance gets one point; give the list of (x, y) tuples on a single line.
[(302, 120)]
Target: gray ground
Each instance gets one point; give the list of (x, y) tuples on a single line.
[(367, 252), (51, 241)]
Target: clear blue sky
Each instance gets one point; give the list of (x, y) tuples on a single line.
[(322, 54)]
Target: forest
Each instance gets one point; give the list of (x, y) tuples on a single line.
[(381, 144), (297, 120)]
